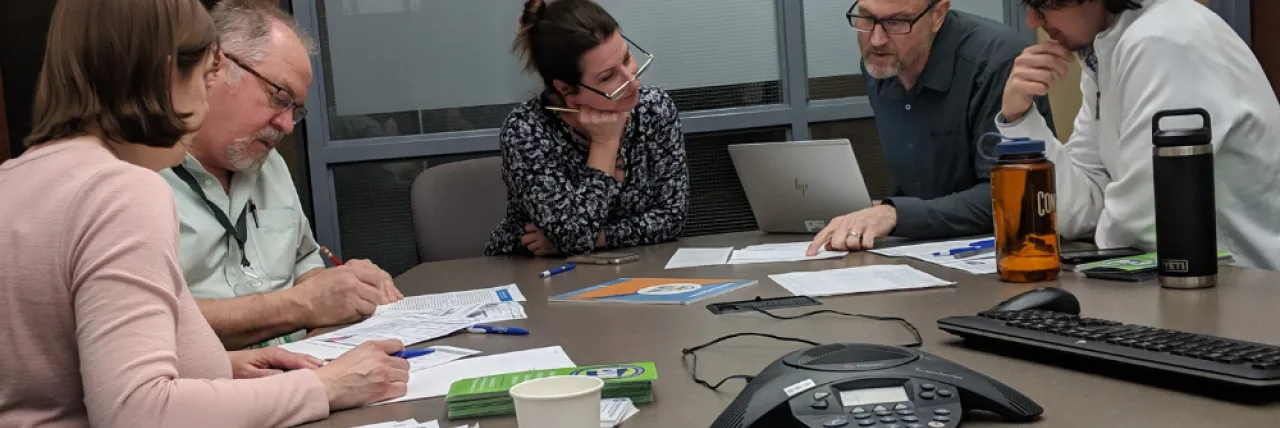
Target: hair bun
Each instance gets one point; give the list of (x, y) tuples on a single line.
[(533, 10)]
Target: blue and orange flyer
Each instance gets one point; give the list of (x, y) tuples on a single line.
[(669, 291)]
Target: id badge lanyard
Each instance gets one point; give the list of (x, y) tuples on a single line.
[(238, 232)]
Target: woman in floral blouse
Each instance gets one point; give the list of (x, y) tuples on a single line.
[(597, 160)]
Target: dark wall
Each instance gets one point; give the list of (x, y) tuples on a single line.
[(1266, 38), (23, 28)]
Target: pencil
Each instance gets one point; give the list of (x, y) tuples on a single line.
[(561, 109), (325, 250)]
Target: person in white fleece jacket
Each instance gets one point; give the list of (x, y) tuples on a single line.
[(1138, 58)]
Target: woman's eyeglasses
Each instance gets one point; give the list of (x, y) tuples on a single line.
[(615, 94)]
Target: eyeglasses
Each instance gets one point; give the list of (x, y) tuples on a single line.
[(614, 94), (281, 98), (895, 27)]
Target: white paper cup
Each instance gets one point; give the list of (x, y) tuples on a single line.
[(558, 402)]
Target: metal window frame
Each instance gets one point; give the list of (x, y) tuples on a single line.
[(796, 113)]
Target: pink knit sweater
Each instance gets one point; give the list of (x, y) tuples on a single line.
[(97, 326)]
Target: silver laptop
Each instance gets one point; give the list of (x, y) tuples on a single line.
[(799, 186)]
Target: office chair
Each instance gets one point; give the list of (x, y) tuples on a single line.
[(456, 206)]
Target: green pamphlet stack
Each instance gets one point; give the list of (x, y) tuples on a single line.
[(1132, 269), (488, 395)]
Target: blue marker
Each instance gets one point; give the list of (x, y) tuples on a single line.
[(493, 329), (413, 353), (556, 270)]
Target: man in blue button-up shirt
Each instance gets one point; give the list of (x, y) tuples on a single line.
[(935, 77)]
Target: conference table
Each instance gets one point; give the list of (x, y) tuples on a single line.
[(1245, 305)]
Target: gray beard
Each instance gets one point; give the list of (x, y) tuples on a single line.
[(238, 157), (885, 73)]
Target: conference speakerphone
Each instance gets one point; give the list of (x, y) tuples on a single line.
[(865, 386)]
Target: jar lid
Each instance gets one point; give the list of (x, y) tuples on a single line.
[(1019, 146)]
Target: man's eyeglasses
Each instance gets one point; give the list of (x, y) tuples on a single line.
[(281, 98), (616, 93), (891, 26)]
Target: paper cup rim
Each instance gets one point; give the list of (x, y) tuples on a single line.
[(598, 385)]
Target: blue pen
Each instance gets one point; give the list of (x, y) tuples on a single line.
[(973, 246), (555, 270), (985, 243), (413, 353), (493, 329)]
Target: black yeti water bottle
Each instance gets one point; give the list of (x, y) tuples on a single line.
[(1186, 222)]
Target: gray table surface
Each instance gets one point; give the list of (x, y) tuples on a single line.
[(1243, 306)]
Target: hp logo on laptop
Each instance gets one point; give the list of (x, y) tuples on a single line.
[(802, 187)]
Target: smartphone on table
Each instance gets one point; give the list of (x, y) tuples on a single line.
[(1079, 257), (604, 258)]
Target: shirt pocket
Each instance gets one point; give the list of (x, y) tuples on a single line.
[(277, 243)]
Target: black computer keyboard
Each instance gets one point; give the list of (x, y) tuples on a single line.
[(1201, 356)]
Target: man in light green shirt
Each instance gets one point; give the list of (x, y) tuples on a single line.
[(248, 254)]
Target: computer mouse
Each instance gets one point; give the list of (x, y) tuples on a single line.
[(1048, 299)]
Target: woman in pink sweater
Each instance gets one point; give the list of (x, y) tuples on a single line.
[(97, 327)]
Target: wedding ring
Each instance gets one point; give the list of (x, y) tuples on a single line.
[(853, 234)]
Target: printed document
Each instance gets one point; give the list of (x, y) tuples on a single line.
[(774, 253), (408, 327), (475, 314), (435, 381), (864, 279), (614, 411), (506, 293), (977, 265), (413, 423), (694, 257), (443, 355)]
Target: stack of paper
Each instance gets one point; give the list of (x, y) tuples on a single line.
[(441, 356), (435, 381), (865, 279), (506, 293), (978, 265), (773, 253), (489, 396), (694, 257), (419, 319), (413, 423), (613, 411)]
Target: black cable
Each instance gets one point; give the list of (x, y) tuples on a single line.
[(692, 351), (912, 328), (748, 378)]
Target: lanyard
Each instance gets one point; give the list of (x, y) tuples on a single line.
[(240, 232)]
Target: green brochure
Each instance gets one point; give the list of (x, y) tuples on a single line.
[(1134, 264)]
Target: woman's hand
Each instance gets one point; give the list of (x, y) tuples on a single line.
[(537, 242), (255, 363), (366, 374), (604, 128)]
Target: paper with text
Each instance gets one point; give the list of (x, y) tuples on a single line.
[(864, 279), (413, 423), (435, 381), (409, 329), (474, 314), (694, 257), (614, 411), (442, 355), (977, 265), (784, 252), (505, 293)]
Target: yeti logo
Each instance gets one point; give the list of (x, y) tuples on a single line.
[(1176, 265)]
